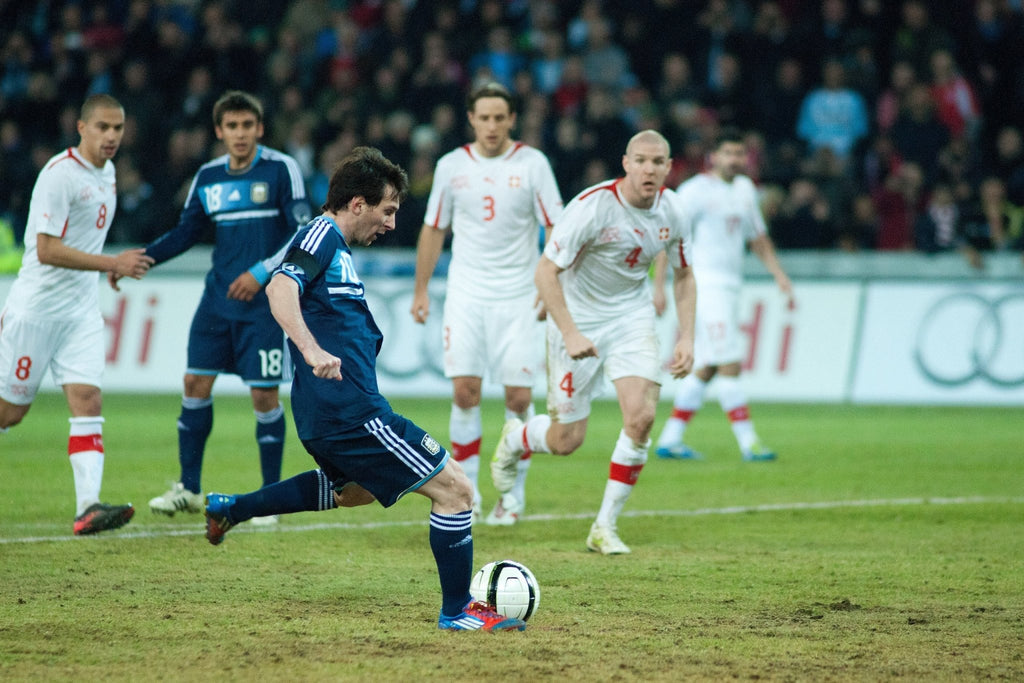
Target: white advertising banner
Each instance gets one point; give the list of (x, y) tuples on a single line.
[(883, 342), (793, 354), (939, 343)]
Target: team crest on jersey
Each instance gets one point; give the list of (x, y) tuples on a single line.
[(609, 234), (514, 181), (259, 193), (432, 446), (664, 233)]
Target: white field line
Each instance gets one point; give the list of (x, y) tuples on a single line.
[(197, 528)]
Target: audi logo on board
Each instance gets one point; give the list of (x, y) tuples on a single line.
[(966, 337)]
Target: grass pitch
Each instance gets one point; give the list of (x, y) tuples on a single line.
[(886, 543)]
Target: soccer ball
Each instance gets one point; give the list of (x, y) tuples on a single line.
[(507, 586)]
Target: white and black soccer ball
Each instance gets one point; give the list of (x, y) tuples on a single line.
[(507, 586)]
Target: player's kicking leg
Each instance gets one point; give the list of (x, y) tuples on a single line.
[(310, 491)]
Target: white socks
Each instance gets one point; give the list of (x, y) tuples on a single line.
[(465, 430), (734, 403), (85, 451), (688, 399), (628, 460)]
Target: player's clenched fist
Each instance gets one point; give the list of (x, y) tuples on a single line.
[(325, 365)]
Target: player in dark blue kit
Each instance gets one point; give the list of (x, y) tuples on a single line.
[(363, 449), (254, 199)]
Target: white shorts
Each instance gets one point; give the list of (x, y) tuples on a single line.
[(73, 350), (498, 341), (623, 350), (717, 339)]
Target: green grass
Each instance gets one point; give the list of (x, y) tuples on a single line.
[(886, 543)]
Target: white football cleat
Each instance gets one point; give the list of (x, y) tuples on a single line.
[(506, 458), (604, 540), (506, 511), (177, 499)]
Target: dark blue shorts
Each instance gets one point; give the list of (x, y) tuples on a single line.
[(390, 457), (252, 349)]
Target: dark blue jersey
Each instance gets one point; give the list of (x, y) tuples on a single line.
[(254, 213), (335, 311)]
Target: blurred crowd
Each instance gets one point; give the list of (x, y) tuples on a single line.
[(871, 124)]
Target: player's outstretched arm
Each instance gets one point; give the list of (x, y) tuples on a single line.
[(765, 250), (53, 252), (551, 293), (684, 290), (658, 286), (283, 293), (428, 251)]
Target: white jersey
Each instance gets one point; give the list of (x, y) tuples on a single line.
[(724, 217), (606, 247), (75, 201), (495, 208)]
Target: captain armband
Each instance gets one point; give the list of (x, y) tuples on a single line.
[(301, 263)]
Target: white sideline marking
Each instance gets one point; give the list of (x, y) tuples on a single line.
[(198, 529)]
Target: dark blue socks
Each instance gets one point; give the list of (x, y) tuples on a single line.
[(270, 438), (307, 492), (451, 540), (194, 425)]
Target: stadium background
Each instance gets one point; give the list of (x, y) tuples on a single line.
[(931, 194)]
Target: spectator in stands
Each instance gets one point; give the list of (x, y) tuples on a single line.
[(605, 63), (918, 135), (892, 99), (578, 29), (770, 41), (175, 61), (676, 85), (144, 103), (729, 97), (858, 229), (195, 103), (805, 219), (917, 36), (716, 33), (899, 202), (778, 101), (549, 62), (499, 61), (1008, 158), (137, 208), (444, 121), (955, 101), (993, 49), (938, 227), (602, 119), (568, 155), (863, 70), (385, 38), (438, 78), (572, 90), (16, 57), (833, 115), (828, 34)]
